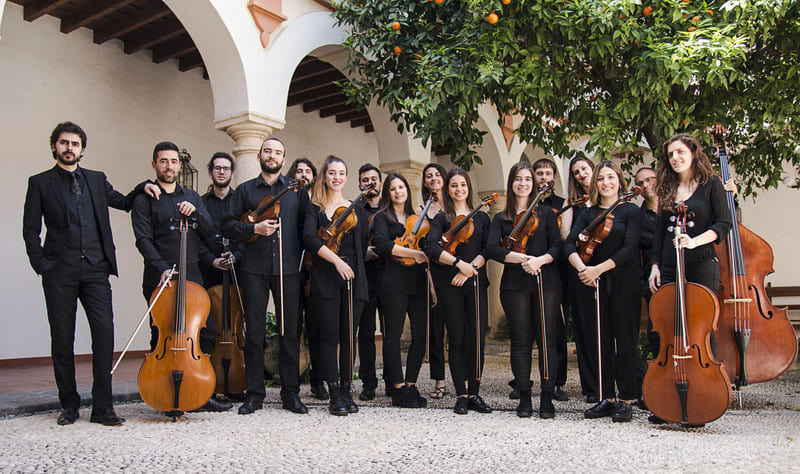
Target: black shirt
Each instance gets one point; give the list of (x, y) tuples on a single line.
[(371, 266), (213, 248), (467, 251), (622, 243), (546, 240), (83, 234), (156, 228), (261, 256), (392, 276), (710, 208), (646, 239)]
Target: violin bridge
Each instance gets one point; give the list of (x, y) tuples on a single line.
[(738, 300)]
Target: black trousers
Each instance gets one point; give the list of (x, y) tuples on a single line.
[(337, 330), (396, 306), (436, 343), (620, 310), (63, 286), (255, 293), (466, 333), (522, 311), (312, 336), (585, 334), (365, 333)]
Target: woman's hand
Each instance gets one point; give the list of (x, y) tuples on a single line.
[(420, 257), (516, 257), (344, 269), (655, 278), (465, 272), (533, 265), (589, 275)]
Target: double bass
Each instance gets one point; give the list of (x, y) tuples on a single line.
[(685, 383), (228, 356), (177, 376), (755, 339)]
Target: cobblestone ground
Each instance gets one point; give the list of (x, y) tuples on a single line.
[(761, 437)]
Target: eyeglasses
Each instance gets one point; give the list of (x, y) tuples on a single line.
[(217, 169)]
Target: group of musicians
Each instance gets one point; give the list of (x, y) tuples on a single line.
[(336, 296)]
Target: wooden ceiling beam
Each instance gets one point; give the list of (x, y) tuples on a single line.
[(336, 110), (138, 20), (360, 122), (369, 128), (190, 61), (324, 90), (85, 17), (40, 8), (314, 82), (173, 49), (353, 114), (310, 69), (151, 37), (313, 105)]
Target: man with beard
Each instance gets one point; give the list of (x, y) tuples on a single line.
[(214, 261), (154, 226), (260, 273), (75, 262)]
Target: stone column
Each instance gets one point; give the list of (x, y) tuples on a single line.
[(494, 271), (412, 170), (248, 130)]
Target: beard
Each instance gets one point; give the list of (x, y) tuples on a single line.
[(67, 158), (164, 178), (270, 169), (221, 184)]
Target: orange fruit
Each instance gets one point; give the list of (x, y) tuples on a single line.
[(692, 28), (492, 18), (396, 25), (710, 12), (505, 2), (439, 1), (398, 50), (696, 19), (647, 11)]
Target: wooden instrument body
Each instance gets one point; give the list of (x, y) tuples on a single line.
[(518, 242), (451, 240), (228, 356), (709, 389), (331, 235), (178, 352), (411, 240), (772, 347), (587, 243)]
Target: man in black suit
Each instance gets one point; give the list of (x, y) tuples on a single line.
[(75, 262)]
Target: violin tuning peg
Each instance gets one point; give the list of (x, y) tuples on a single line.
[(690, 224), (670, 228), (672, 218)]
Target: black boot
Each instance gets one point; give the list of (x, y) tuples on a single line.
[(399, 396), (525, 408), (318, 390), (414, 395), (336, 404), (546, 408), (347, 398)]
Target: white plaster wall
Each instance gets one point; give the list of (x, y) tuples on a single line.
[(126, 104)]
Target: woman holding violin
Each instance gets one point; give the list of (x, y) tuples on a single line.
[(527, 272), (337, 232), (460, 282), (614, 266), (433, 185), (401, 290)]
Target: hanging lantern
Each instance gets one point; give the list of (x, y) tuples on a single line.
[(187, 177)]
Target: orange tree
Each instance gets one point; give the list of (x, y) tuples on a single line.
[(620, 72)]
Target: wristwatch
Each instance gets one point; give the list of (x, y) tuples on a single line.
[(456, 261)]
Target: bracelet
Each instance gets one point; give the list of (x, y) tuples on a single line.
[(456, 261)]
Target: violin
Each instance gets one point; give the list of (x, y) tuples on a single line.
[(177, 376), (573, 203), (416, 227), (685, 383), (525, 225), (462, 227), (228, 356), (268, 208), (594, 234), (755, 339), (343, 221)]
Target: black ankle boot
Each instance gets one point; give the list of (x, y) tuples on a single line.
[(336, 404), (546, 408), (525, 408), (347, 397)]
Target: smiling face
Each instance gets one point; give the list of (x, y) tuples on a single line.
[(303, 172), (221, 172), (271, 156), (647, 180), (523, 182), (544, 175), (458, 189), (370, 177), (433, 179), (680, 157), (167, 166), (398, 193), (582, 173), (607, 184), (336, 176)]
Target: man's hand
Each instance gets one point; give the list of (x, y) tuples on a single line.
[(152, 190), (266, 227), (165, 275), (186, 208)]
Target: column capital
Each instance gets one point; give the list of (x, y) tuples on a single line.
[(248, 130)]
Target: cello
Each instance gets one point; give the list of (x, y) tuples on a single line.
[(685, 383), (228, 355), (755, 339), (177, 376)]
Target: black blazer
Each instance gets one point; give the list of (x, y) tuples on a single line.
[(42, 200)]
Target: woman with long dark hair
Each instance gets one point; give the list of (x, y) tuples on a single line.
[(338, 285), (461, 282), (520, 287), (615, 267), (401, 290)]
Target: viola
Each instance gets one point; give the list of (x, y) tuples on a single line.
[(343, 221), (594, 234), (228, 356), (573, 203), (685, 383), (416, 227), (462, 227), (755, 339), (268, 208), (177, 376), (525, 225)]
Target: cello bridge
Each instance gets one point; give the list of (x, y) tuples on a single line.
[(178, 348), (681, 357)]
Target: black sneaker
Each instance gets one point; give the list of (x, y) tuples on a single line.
[(601, 410), (68, 416), (622, 412)]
